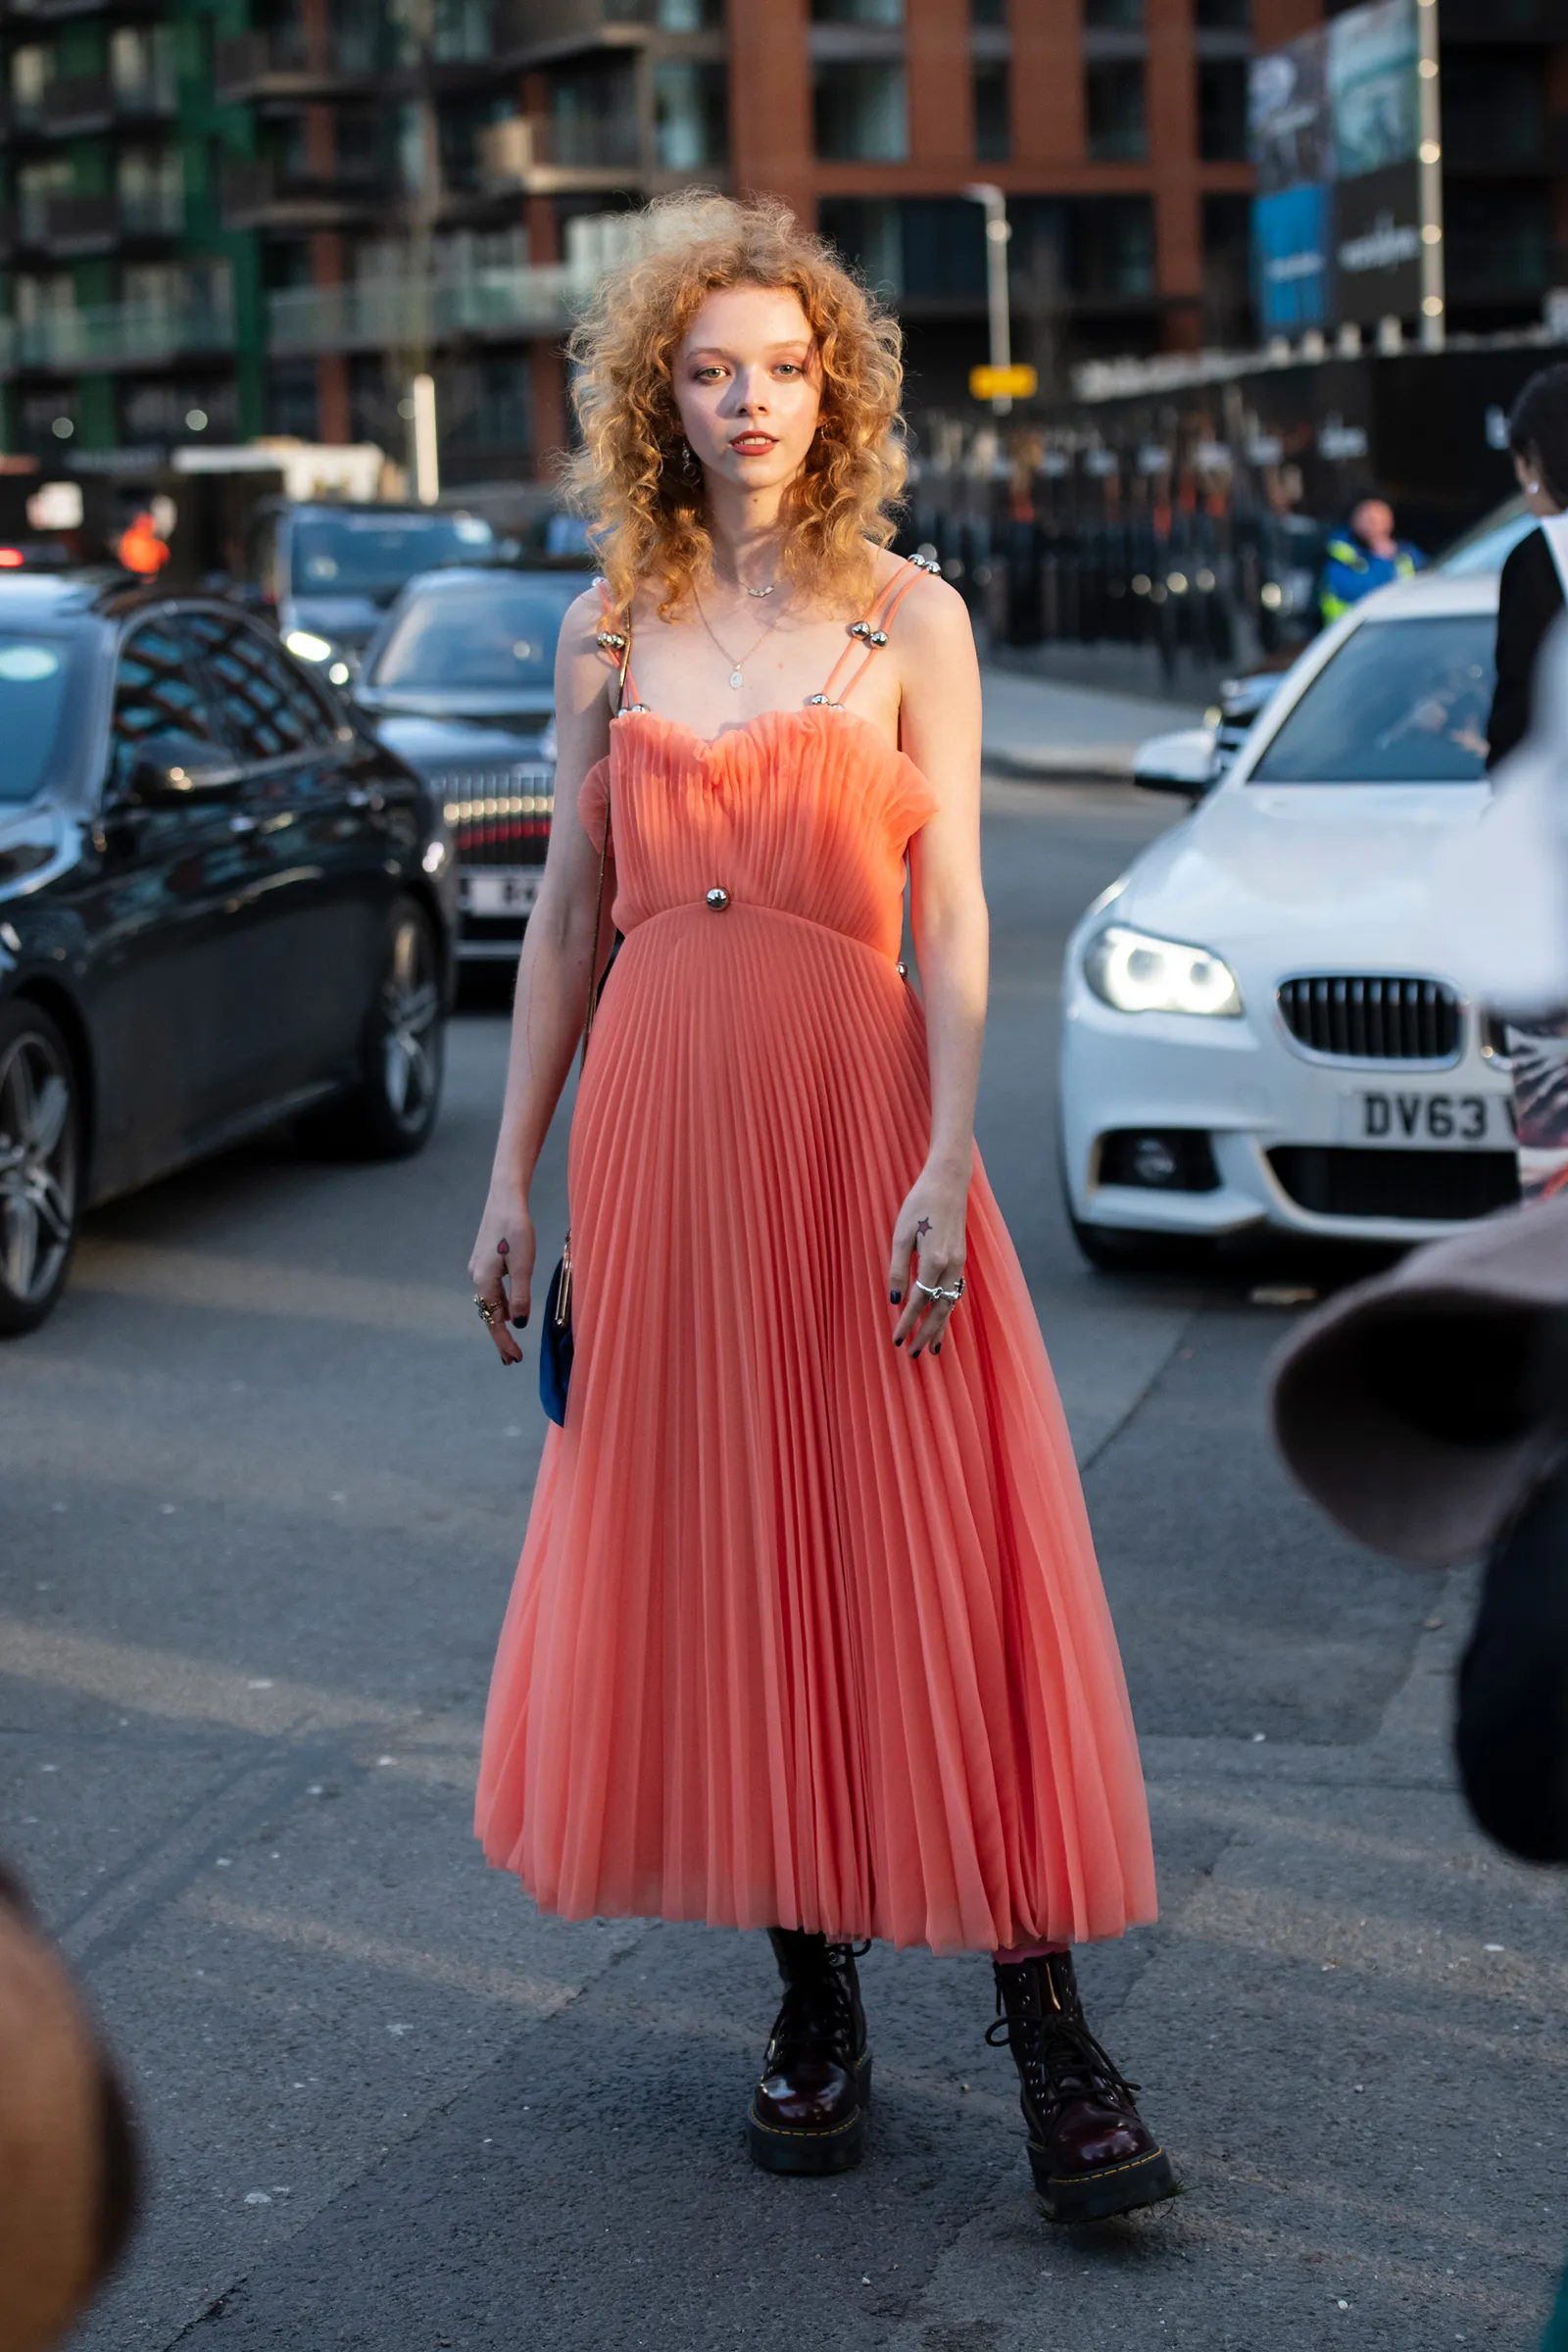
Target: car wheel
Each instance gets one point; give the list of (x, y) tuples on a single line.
[(392, 1110), (41, 1130)]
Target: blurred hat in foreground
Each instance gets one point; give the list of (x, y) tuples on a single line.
[(67, 2163)]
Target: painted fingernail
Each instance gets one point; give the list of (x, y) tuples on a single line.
[(522, 1321), (898, 1343), (936, 1347), (895, 1298)]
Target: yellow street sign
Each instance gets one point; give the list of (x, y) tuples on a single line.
[(1003, 383)]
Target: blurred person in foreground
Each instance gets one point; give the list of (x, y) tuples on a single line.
[(1427, 1411), (1535, 579), (68, 2173), (1366, 557)]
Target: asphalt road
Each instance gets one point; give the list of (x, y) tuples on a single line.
[(261, 1488)]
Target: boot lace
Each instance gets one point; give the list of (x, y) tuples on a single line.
[(1060, 2055), (818, 2008)]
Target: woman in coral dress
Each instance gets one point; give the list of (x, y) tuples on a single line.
[(807, 1633)]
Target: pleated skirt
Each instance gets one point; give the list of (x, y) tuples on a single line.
[(804, 1633)]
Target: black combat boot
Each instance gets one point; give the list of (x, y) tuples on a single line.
[(1089, 2150), (808, 2110)]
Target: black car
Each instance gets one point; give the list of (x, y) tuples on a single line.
[(220, 903), (329, 571), (459, 682)]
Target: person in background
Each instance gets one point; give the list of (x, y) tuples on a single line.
[(1535, 578), (1366, 557)]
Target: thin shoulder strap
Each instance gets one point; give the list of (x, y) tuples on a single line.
[(615, 638), (870, 633)]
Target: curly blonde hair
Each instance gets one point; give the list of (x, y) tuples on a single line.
[(648, 520)]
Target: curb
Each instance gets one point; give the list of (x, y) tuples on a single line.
[(1081, 764)]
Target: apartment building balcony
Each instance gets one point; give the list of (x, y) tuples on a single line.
[(83, 106), (539, 32), (108, 335), (24, 14), (397, 314), (545, 156), (273, 194)]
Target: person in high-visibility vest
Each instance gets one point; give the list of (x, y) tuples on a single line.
[(1366, 557)]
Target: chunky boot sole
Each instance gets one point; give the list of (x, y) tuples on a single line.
[(1096, 2197), (838, 2149)]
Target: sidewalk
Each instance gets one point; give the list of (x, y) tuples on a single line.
[(1037, 730)]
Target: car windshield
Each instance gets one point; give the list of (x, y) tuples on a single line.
[(500, 636), (1489, 545), (38, 691), (1403, 701), (372, 555)]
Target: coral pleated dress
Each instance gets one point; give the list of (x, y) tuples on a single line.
[(804, 1634)]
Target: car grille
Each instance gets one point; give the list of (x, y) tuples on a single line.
[(498, 815), (1375, 1017), (1439, 1187)]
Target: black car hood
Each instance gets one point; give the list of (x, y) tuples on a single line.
[(32, 841), (425, 741)]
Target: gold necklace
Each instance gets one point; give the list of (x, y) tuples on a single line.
[(735, 677)]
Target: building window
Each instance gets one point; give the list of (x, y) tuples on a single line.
[(857, 11), (691, 113), (867, 231), (1113, 15), (860, 108), (291, 398), (986, 15), (149, 183), (917, 248), (993, 137), (689, 15), (1113, 102), (487, 404), (1113, 248), (1223, 15), (594, 110), (1222, 110)]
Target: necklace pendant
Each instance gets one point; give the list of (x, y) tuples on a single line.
[(736, 680)]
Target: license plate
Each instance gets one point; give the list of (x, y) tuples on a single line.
[(504, 889), (1412, 1119)]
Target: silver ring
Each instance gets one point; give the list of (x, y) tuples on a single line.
[(935, 1290)]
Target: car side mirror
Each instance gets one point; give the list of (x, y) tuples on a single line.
[(1184, 762), (176, 770)]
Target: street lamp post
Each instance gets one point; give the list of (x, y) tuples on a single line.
[(997, 303)]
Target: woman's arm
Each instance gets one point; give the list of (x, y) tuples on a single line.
[(940, 730), (559, 951)]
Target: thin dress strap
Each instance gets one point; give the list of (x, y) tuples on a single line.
[(615, 643), (871, 632)]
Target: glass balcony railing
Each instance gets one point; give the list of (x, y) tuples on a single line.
[(399, 313), (115, 334)]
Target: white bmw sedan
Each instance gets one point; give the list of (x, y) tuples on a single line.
[(1261, 1027)]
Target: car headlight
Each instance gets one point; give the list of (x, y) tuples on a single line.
[(1134, 974), (307, 646)]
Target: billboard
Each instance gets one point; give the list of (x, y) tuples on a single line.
[(1291, 247), (1335, 122), (1288, 114), (1377, 244)]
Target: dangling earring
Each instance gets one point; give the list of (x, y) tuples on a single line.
[(690, 469)]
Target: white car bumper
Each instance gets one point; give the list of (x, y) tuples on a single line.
[(1278, 1126)]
